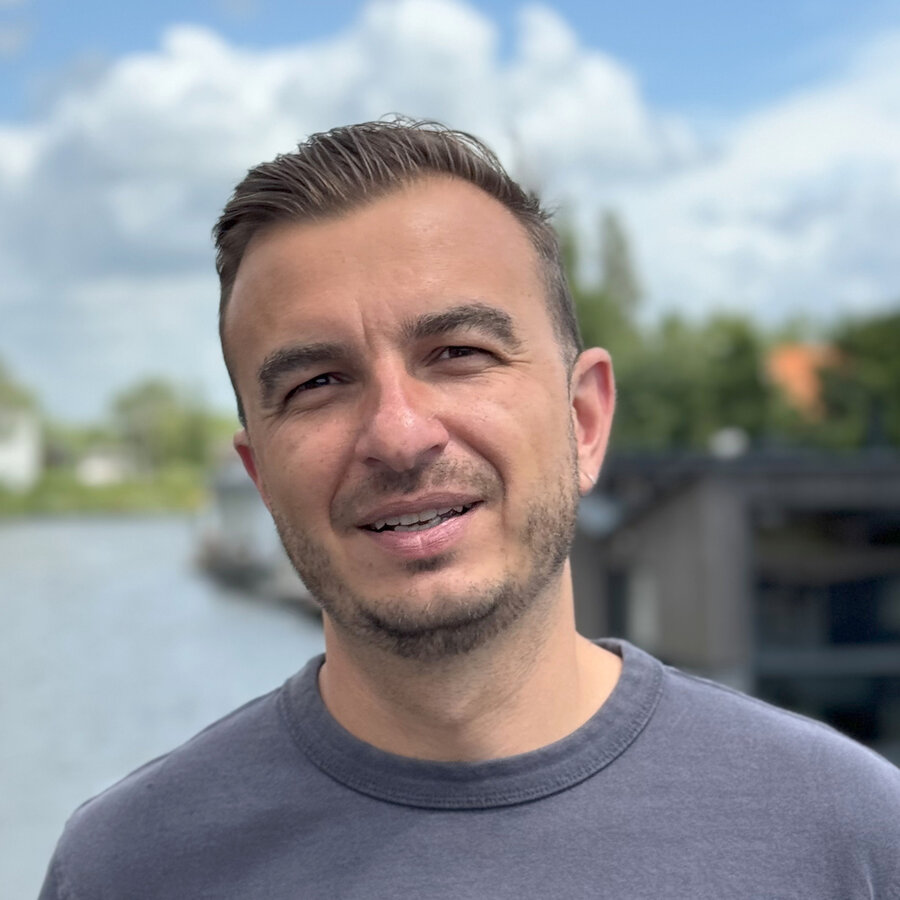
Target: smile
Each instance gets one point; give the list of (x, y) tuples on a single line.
[(418, 521)]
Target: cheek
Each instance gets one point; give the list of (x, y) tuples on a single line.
[(519, 439), (294, 467), (540, 419)]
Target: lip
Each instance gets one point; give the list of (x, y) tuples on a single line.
[(442, 538), (397, 508)]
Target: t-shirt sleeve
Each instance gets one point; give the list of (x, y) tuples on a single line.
[(52, 888)]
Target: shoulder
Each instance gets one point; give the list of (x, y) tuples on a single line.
[(711, 723), (156, 810), (760, 725), (792, 755), (207, 756), (768, 777)]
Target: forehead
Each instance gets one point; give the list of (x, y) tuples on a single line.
[(436, 241)]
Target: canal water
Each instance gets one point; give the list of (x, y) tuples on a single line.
[(114, 649)]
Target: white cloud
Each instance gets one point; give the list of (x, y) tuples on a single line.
[(107, 202), (797, 211), (578, 114)]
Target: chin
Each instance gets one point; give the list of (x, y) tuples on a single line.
[(444, 625)]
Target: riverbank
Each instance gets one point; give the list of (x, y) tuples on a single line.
[(172, 489)]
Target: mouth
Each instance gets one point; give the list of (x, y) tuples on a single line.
[(418, 521)]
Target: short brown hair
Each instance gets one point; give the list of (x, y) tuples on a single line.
[(335, 171)]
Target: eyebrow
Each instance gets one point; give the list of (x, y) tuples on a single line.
[(288, 359), (468, 316)]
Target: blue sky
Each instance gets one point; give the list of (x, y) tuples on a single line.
[(751, 151), (700, 55)]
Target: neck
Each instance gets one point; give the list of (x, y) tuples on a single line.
[(529, 687)]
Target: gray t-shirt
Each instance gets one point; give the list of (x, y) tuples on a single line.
[(676, 788)]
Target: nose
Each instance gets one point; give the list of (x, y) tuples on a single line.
[(400, 428)]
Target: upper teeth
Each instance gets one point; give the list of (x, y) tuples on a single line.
[(414, 518)]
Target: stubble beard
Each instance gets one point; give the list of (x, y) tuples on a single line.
[(452, 623)]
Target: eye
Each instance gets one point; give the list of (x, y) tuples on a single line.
[(461, 359), (460, 353), (324, 380)]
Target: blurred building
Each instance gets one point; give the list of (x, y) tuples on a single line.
[(102, 466), (779, 575), (21, 448)]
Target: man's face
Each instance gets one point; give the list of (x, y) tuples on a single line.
[(409, 422)]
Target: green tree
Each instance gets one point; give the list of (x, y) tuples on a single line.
[(161, 426), (14, 395), (683, 382), (679, 382), (620, 283), (739, 394), (606, 309), (861, 394)]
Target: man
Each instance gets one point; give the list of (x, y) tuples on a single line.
[(420, 421)]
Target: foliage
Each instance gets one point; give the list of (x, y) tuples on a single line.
[(60, 492), (165, 438), (12, 394), (683, 382), (680, 382), (861, 395), (160, 426), (607, 309), (619, 281)]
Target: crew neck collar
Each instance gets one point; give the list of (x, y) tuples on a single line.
[(492, 783)]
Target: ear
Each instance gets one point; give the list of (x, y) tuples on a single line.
[(245, 451), (593, 397)]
